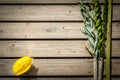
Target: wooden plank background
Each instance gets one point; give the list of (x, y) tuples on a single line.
[(50, 48), (50, 31), (45, 13), (53, 78), (58, 67), (47, 1)]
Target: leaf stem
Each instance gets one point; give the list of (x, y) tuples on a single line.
[(108, 42)]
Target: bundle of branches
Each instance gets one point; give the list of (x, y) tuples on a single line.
[(95, 23)]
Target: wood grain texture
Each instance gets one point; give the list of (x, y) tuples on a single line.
[(48, 30), (115, 67), (45, 13), (115, 30), (116, 48), (41, 30), (48, 1), (46, 78), (52, 78), (50, 48), (51, 67), (43, 48)]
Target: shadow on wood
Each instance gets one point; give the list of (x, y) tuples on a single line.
[(32, 72)]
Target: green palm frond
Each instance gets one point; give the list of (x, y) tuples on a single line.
[(95, 30), (87, 14)]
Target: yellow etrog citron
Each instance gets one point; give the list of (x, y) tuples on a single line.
[(22, 65)]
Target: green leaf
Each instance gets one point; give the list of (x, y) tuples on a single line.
[(95, 46), (89, 52)]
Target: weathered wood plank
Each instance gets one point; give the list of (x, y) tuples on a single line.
[(50, 48), (83, 78), (47, 1), (115, 30), (45, 13), (40, 12), (116, 67), (46, 78), (57, 67), (116, 48), (116, 1), (41, 30), (115, 78), (43, 48), (51, 67), (48, 30), (116, 12)]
